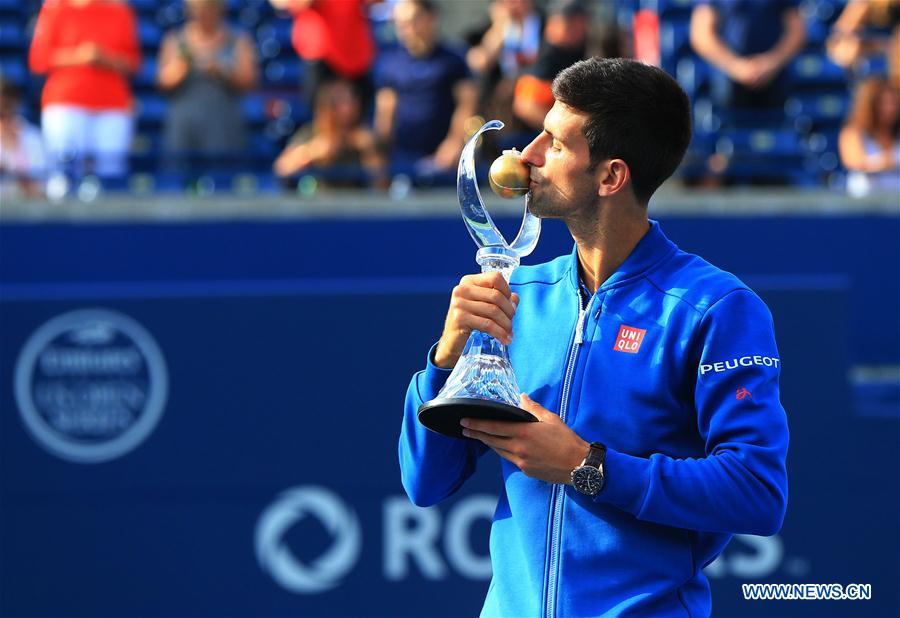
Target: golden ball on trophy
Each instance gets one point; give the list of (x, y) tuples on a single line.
[(509, 176)]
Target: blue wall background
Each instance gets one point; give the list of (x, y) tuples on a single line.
[(289, 345)]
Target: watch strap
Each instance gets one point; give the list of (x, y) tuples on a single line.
[(596, 456)]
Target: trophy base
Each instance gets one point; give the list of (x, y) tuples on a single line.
[(443, 415)]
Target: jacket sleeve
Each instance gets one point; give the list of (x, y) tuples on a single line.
[(432, 466), (740, 487)]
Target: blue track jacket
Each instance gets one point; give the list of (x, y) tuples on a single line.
[(672, 364)]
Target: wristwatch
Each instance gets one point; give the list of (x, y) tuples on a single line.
[(588, 478)]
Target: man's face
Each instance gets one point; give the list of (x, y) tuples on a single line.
[(562, 184), (204, 11), (414, 26)]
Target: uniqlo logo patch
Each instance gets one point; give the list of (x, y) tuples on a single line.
[(629, 339)]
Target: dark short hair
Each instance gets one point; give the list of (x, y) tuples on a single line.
[(9, 90), (428, 6), (635, 112)]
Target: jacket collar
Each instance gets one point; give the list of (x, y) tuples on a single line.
[(650, 251)]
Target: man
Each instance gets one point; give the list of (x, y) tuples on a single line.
[(424, 95), (654, 376), (749, 42), (565, 42), (500, 50)]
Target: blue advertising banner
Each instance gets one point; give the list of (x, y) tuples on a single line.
[(209, 427)]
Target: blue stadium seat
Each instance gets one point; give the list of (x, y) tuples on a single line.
[(253, 107), (822, 141), (674, 42), (149, 35), (283, 72), (13, 71), (770, 156), (823, 10), (145, 152), (144, 7), (771, 119), (670, 9), (279, 29), (12, 36), (815, 70), (151, 110), (12, 8), (704, 117), (816, 110), (169, 14), (262, 149), (816, 33), (694, 165), (693, 75), (821, 156), (146, 75), (780, 142), (872, 66)]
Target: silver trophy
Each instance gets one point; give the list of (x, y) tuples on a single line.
[(482, 385)]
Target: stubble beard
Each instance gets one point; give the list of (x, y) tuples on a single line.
[(545, 203)]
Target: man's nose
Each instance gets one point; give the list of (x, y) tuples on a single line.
[(533, 153)]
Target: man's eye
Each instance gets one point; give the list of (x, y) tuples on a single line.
[(555, 146)]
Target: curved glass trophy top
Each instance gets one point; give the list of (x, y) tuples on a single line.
[(482, 383), (479, 223)]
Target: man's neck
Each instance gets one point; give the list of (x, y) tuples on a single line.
[(604, 246), (422, 48)]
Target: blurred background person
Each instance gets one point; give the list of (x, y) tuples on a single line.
[(205, 67), (22, 160), (869, 142), (425, 95), (565, 42), (749, 42), (500, 50), (336, 146), (88, 49), (334, 39), (867, 28)]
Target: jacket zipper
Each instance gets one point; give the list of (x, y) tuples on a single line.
[(558, 491)]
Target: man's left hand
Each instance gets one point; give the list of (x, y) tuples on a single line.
[(547, 450)]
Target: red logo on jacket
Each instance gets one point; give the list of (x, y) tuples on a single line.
[(629, 339)]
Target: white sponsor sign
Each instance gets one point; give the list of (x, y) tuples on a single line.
[(91, 385), (743, 361), (438, 546)]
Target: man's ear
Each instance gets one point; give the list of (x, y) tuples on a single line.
[(613, 176)]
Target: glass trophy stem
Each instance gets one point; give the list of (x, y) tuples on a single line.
[(482, 384), (484, 370), (497, 259)]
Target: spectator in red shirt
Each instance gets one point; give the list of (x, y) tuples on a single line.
[(88, 49), (334, 39)]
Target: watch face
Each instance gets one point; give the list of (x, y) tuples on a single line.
[(588, 480)]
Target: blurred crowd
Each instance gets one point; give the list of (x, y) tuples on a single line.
[(379, 99)]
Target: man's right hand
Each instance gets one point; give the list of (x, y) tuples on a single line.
[(481, 302)]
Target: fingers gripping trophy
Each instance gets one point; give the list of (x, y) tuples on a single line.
[(482, 384)]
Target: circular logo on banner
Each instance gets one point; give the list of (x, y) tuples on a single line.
[(91, 385), (326, 571)]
